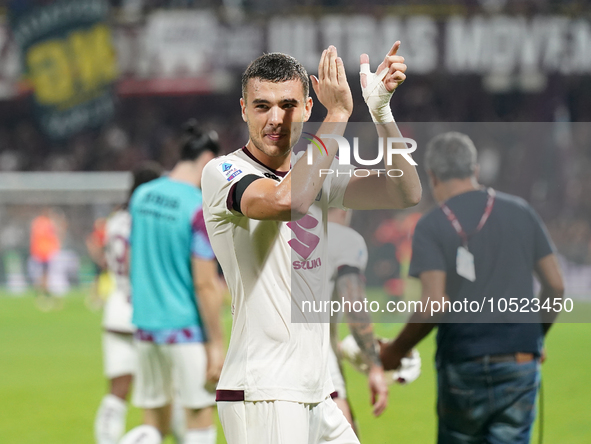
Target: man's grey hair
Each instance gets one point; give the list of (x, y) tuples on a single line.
[(451, 156)]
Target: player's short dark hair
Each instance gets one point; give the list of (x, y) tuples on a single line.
[(195, 141), (276, 67), (451, 155), (145, 172)]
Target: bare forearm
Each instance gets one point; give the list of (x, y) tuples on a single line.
[(305, 180), (351, 288), (549, 274), (363, 334), (396, 188), (333, 92), (209, 301), (549, 316), (402, 180), (409, 337), (420, 323), (208, 297)]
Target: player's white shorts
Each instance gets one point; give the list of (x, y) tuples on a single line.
[(167, 370), (284, 422), (119, 354), (337, 377)]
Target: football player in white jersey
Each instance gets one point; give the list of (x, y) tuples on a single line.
[(267, 225), (347, 259), (119, 353)]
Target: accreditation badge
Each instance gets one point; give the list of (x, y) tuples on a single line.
[(465, 264)]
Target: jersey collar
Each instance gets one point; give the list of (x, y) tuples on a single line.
[(249, 154)]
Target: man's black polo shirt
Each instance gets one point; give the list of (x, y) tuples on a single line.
[(505, 251)]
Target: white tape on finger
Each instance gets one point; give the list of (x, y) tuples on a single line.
[(364, 69), (376, 96)]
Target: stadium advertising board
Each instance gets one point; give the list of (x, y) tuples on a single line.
[(68, 61), (456, 44), (180, 52)]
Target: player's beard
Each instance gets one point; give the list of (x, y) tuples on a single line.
[(282, 150)]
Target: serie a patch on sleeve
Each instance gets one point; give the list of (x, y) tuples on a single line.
[(228, 170)]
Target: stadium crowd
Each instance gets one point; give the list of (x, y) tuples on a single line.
[(258, 208)]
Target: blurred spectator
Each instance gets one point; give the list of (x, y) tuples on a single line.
[(95, 244), (389, 261), (47, 230)]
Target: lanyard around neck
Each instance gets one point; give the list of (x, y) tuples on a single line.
[(456, 223)]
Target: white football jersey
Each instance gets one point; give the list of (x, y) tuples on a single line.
[(265, 263), (346, 248), (117, 311)]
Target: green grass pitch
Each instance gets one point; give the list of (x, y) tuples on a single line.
[(51, 382)]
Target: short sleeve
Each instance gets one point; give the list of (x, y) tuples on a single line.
[(355, 253), (219, 177), (347, 248), (339, 180), (427, 252), (200, 246), (542, 243), (132, 201), (131, 208), (362, 255)]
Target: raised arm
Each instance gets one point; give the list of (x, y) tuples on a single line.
[(266, 199), (398, 186)]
